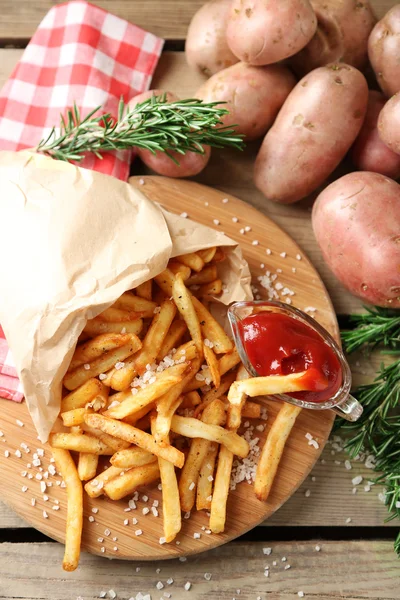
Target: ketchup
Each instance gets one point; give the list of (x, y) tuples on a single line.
[(277, 344)]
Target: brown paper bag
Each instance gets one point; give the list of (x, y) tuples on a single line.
[(72, 241)]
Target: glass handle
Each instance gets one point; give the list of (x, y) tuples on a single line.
[(350, 409)]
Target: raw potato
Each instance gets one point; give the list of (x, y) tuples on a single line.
[(262, 33), (342, 35), (369, 153), (206, 47), (389, 123), (314, 129), (190, 163), (264, 89), (356, 221), (384, 51)]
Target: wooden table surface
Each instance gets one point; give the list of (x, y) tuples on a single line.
[(331, 532)]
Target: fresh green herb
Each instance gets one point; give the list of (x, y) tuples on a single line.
[(155, 125), (378, 429)]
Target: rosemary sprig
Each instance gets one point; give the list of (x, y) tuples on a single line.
[(155, 125), (377, 326)]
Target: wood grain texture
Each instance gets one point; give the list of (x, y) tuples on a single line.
[(244, 510), (340, 570), (166, 18)]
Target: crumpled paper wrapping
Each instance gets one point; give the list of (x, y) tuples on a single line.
[(72, 241)]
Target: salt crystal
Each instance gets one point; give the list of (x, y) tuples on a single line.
[(184, 215), (170, 581), (192, 486), (187, 586), (255, 243), (86, 366), (267, 551), (235, 219), (307, 493), (162, 540), (347, 465), (348, 520), (216, 222), (207, 576), (283, 254), (317, 548), (102, 376), (300, 594), (45, 515), (357, 480), (138, 532), (298, 257), (159, 585), (24, 488), (19, 423), (196, 535)]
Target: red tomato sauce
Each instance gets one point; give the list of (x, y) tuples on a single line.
[(277, 344)]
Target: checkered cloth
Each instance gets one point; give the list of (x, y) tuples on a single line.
[(79, 53)]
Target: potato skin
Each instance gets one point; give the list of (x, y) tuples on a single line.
[(206, 46), (314, 129), (342, 35), (389, 123), (356, 222), (369, 153), (253, 95), (384, 51), (263, 32)]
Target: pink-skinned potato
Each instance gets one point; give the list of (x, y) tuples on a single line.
[(190, 164), (368, 152), (313, 131), (262, 32), (356, 222), (206, 46), (384, 51), (341, 36), (389, 123), (253, 95)]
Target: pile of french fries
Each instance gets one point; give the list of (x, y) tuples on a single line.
[(139, 369)]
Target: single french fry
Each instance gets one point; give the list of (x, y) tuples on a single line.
[(192, 260), (81, 374), (185, 352), (236, 399), (76, 429), (175, 333), (214, 414), (219, 255), (212, 363), (207, 254), (172, 520), (132, 457), (225, 364), (130, 403), (251, 410), (130, 302), (108, 440), (165, 281), (208, 290), (133, 435), (129, 481), (211, 329), (120, 379), (66, 466), (138, 415), (177, 267), (225, 384), (95, 488), (274, 384), (81, 396), (208, 274), (96, 347), (118, 315), (193, 428), (204, 483), (155, 335), (221, 490), (144, 290), (190, 400), (87, 466), (183, 301), (73, 417), (272, 451), (98, 327), (79, 443)]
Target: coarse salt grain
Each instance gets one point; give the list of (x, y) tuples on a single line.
[(187, 586), (45, 515), (184, 215), (307, 493), (86, 366), (197, 535), (298, 256), (300, 594), (33, 501), (6, 453), (138, 532), (317, 548), (347, 465), (216, 222), (119, 365), (348, 520), (357, 480), (19, 423), (91, 519), (159, 585), (112, 594), (255, 243), (192, 486), (235, 219), (18, 453), (182, 559), (170, 581), (102, 376), (225, 200), (207, 576), (186, 515), (154, 511), (145, 498), (267, 551), (24, 488)]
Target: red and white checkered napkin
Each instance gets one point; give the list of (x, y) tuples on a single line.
[(79, 53)]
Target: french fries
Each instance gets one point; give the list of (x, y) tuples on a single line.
[(95, 488), (211, 329), (177, 267), (144, 290), (79, 443), (98, 327), (212, 363), (87, 465), (192, 260), (221, 490), (183, 301), (96, 347), (207, 254), (117, 315), (174, 335), (132, 457), (204, 482), (130, 302), (82, 395), (127, 483), (207, 275)]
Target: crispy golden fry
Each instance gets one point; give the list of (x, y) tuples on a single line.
[(134, 303), (66, 466), (208, 290), (130, 434), (87, 466), (95, 488), (129, 481), (193, 428), (133, 419), (79, 443), (170, 498), (212, 363), (190, 400), (76, 429), (225, 364), (130, 403), (81, 374), (165, 281), (236, 399), (204, 484), (226, 382), (155, 335), (272, 452), (163, 420), (185, 352), (251, 410), (221, 490), (80, 397), (118, 315), (183, 301), (211, 329), (207, 275), (132, 457), (219, 255), (120, 379), (191, 260), (98, 327), (96, 347), (76, 416), (214, 414), (144, 290), (175, 333), (108, 440), (177, 267), (207, 254)]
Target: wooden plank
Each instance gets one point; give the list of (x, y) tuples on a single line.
[(340, 570), (166, 18)]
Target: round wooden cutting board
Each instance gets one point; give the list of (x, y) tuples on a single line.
[(28, 488)]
